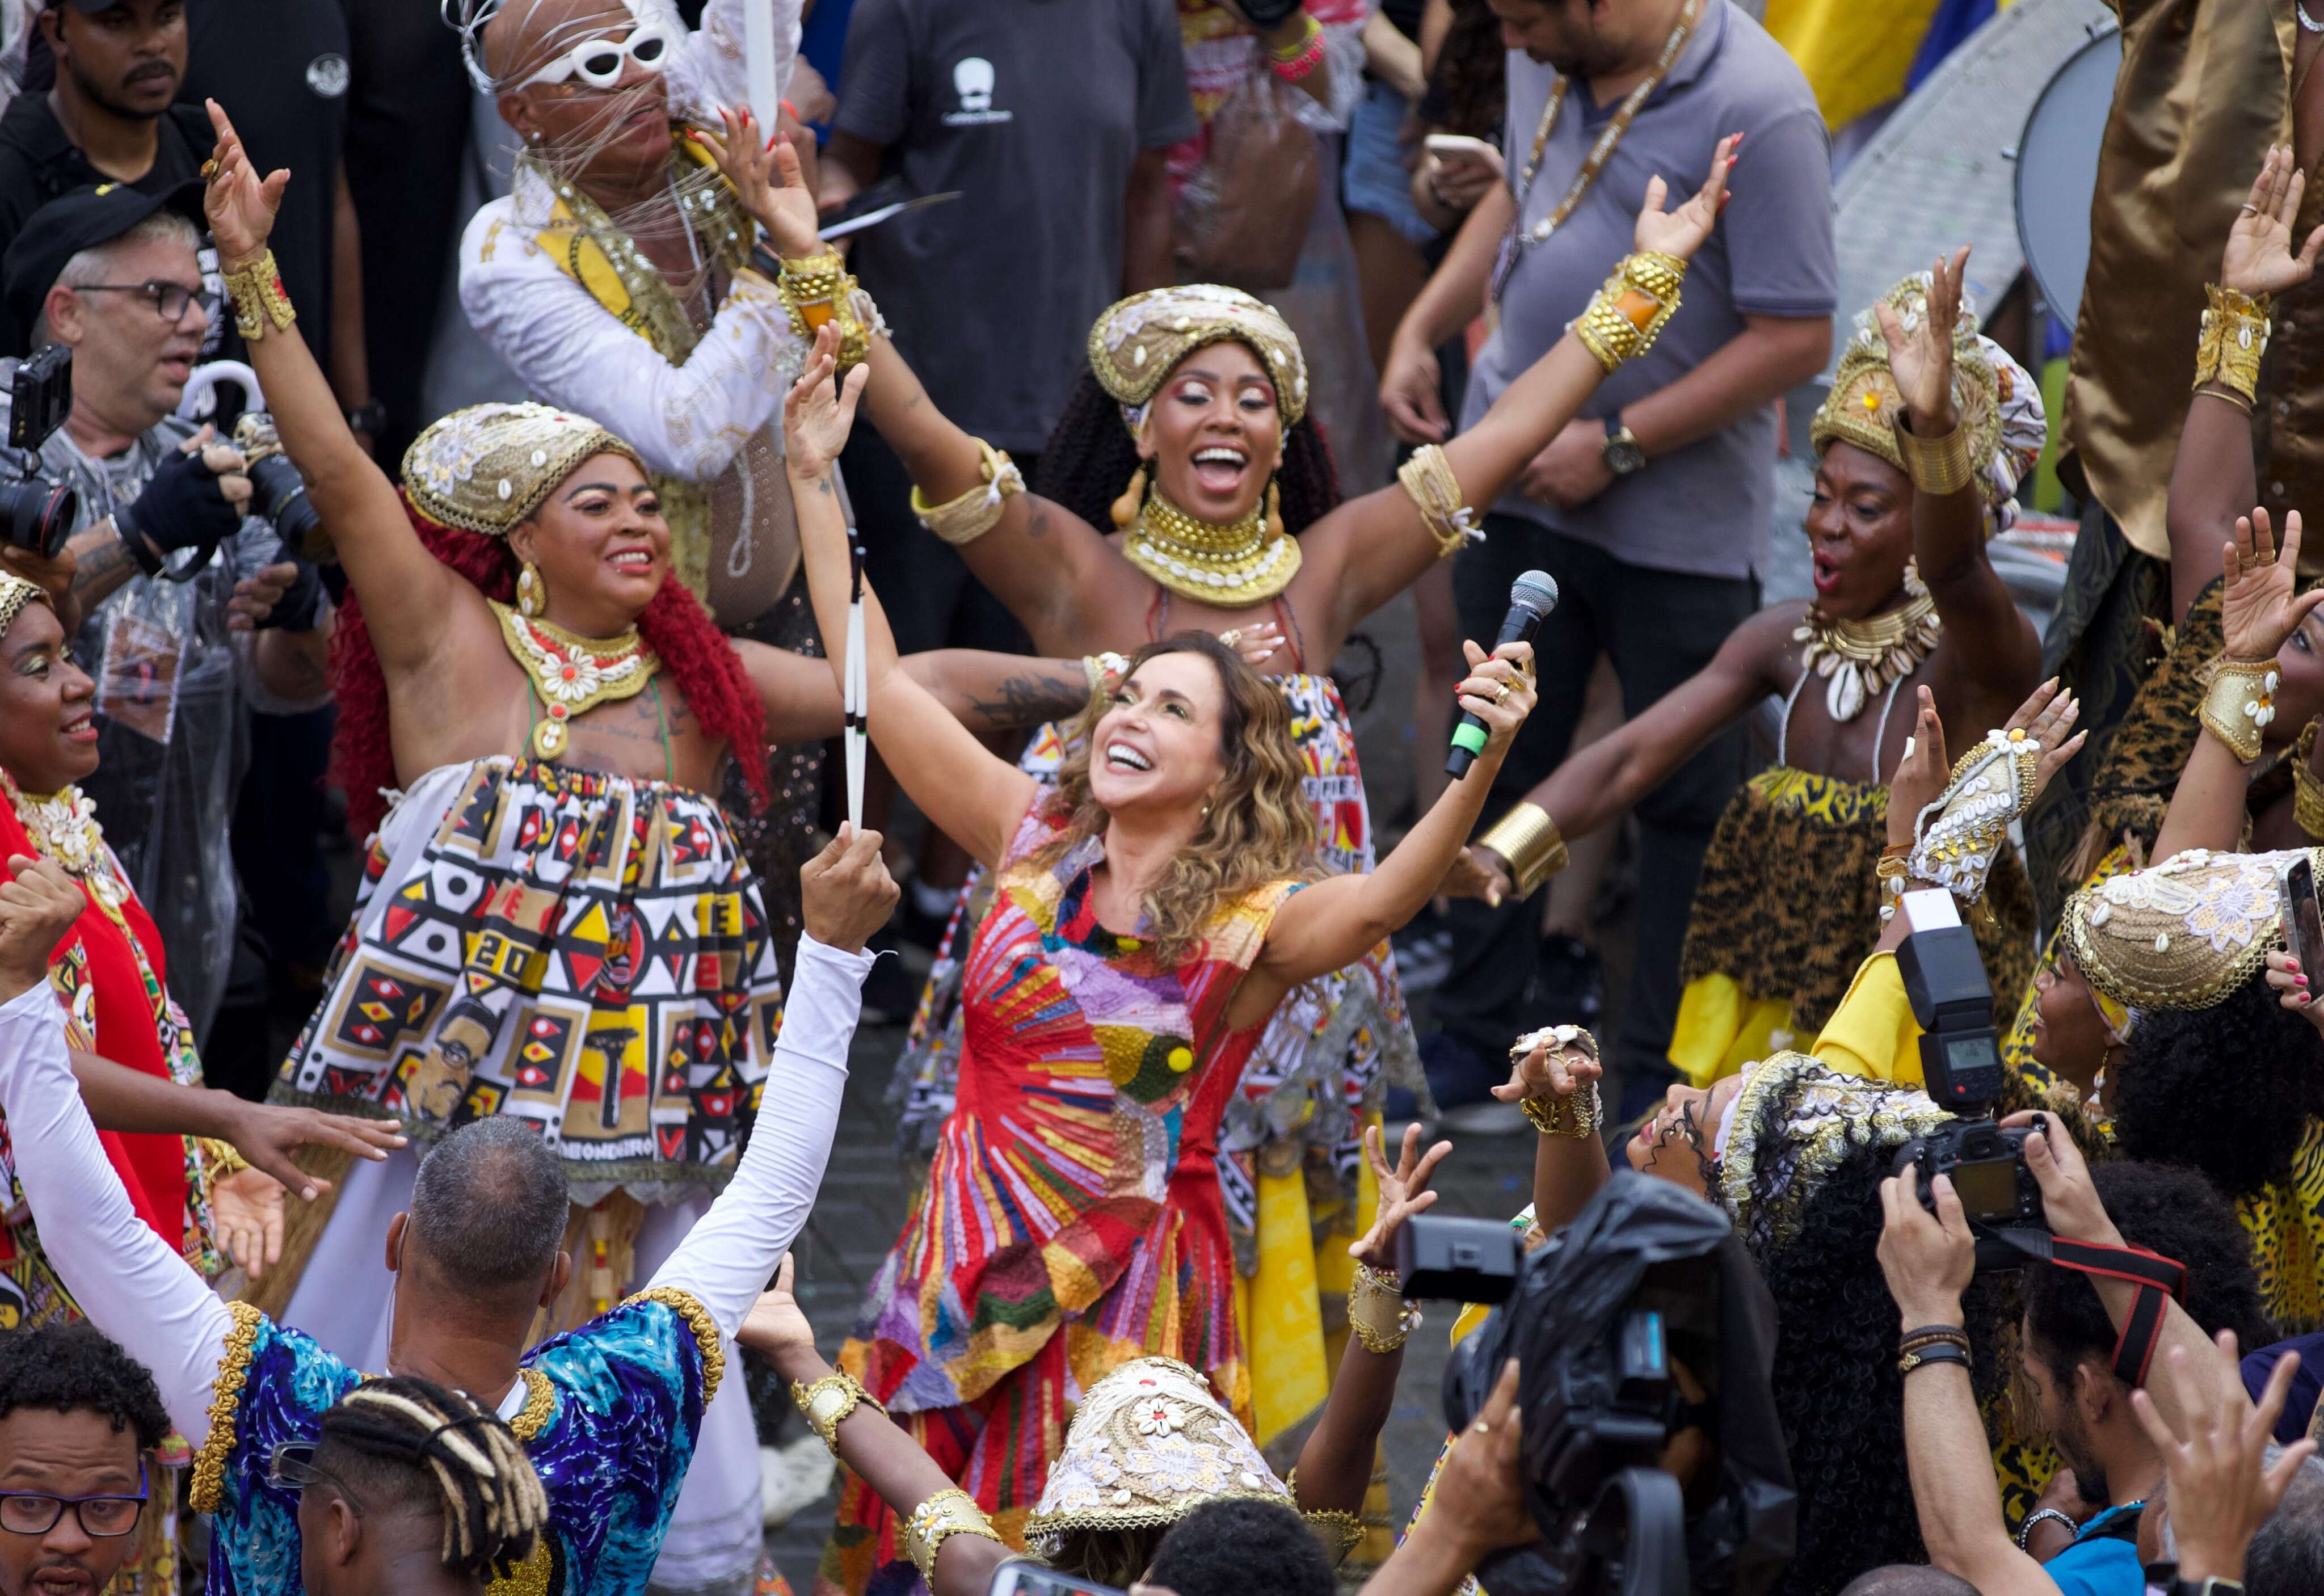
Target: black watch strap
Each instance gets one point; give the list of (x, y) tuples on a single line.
[(369, 417)]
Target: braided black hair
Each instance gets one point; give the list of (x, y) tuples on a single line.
[(410, 1441), (1091, 458), (75, 1369)]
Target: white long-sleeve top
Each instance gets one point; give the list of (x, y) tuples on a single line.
[(135, 1288), (687, 420)]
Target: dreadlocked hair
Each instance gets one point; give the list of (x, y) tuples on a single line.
[(707, 671), (1259, 829), (406, 1439), (1092, 456)]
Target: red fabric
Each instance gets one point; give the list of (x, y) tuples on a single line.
[(152, 1168)]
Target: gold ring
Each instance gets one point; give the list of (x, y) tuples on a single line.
[(1502, 696), (1230, 636), (210, 170)]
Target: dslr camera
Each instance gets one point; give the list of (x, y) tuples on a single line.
[(38, 516), (1961, 1070)]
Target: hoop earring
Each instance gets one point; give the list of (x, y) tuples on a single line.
[(531, 592), (1274, 511), (1133, 499)]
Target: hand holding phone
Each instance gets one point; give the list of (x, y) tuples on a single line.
[(1458, 170)]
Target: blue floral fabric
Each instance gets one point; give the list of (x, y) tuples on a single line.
[(628, 1391)]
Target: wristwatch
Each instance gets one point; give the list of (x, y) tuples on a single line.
[(369, 417), (1622, 450)]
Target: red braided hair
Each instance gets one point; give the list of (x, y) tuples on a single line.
[(708, 672)]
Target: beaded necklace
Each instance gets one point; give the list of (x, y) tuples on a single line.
[(573, 674)]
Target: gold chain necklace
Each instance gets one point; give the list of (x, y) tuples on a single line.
[(572, 673), (63, 827), (1859, 659), (1229, 564)]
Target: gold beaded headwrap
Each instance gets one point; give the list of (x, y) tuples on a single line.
[(487, 467), (2184, 934), (1795, 1120), (15, 592), (1140, 340)]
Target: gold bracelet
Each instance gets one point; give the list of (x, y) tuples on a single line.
[(948, 1513), (1577, 1116), (255, 286), (1937, 465), (1103, 669), (1377, 1311), (827, 1403), (1528, 839), (1625, 315), (977, 511), (2239, 703), (816, 290), (220, 1158), (2235, 334), (1436, 493)]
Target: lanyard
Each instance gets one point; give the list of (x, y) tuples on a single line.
[(1520, 237)]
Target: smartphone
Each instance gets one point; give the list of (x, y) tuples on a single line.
[(1022, 1576), (1460, 146), (2304, 925)]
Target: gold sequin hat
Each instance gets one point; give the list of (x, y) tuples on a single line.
[(1139, 340), (486, 469), (2183, 934), (1997, 399), (1794, 1122), (15, 592)]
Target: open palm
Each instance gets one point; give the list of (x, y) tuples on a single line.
[(1922, 361), (2258, 259), (818, 414), (1682, 232), (1403, 1193), (2260, 605), (240, 204), (768, 180)]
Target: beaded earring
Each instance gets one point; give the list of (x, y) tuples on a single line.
[(531, 595), (1133, 499)]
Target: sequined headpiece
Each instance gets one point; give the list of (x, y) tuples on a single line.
[(2183, 934), (15, 592), (1796, 1121), (486, 469), (1139, 340), (1148, 1444), (1998, 400)]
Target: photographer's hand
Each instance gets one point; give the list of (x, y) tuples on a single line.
[(1477, 1506), (2220, 1494), (1927, 1258), (2070, 1202), (194, 499)]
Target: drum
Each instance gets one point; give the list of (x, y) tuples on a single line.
[(2058, 171)]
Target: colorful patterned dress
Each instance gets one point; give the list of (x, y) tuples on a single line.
[(609, 1414), (1072, 1219)]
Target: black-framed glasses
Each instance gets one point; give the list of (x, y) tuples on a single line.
[(291, 1466), (28, 1512), (169, 299)]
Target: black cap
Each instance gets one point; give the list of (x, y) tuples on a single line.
[(74, 222)]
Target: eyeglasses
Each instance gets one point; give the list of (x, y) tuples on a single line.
[(291, 1466), (599, 62), (169, 299), (25, 1512)]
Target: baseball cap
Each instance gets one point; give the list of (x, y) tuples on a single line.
[(74, 222)]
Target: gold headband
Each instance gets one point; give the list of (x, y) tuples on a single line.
[(1140, 340), (15, 592), (487, 467), (2184, 934)]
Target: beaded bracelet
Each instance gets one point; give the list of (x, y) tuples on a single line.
[(1297, 62)]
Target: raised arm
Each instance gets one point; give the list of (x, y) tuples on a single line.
[(1380, 541), (725, 1260), (408, 593), (975, 797), (985, 691), (2213, 478)]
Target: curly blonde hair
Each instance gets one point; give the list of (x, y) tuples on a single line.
[(1259, 829)]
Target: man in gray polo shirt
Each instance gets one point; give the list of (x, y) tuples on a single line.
[(1651, 510)]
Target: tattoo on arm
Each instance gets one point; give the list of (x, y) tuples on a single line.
[(1026, 700), (99, 569)]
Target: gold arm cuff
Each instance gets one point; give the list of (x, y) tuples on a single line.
[(2238, 703), (1937, 466), (1436, 493), (2235, 333), (255, 286), (1377, 1311), (937, 1520), (207, 1490), (687, 1307), (1626, 313), (817, 289), (977, 511), (1528, 839), (829, 1402), (1577, 1116)]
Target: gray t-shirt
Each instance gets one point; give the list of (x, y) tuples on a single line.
[(1035, 110), (1703, 509)]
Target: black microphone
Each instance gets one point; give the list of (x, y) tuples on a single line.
[(1531, 596)]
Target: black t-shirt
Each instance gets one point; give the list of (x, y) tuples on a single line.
[(37, 163), (280, 68), (1035, 110)]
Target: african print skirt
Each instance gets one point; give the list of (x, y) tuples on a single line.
[(586, 952)]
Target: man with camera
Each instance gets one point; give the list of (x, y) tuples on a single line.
[(135, 519)]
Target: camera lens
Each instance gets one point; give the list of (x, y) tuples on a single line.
[(280, 494), (37, 516)]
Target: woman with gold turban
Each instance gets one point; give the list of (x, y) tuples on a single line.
[(1920, 445)]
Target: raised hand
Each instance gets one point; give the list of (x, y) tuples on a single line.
[(1921, 774), (37, 909), (1497, 690), (1922, 361), (2048, 717), (777, 1329), (240, 204), (2221, 1491), (1561, 1061), (845, 892), (2258, 259), (768, 180), (2261, 606), (1403, 1193), (1682, 232), (246, 1216), (818, 414)]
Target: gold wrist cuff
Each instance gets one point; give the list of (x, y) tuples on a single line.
[(1625, 315), (1377, 1311), (977, 511), (817, 289), (1577, 1116), (937, 1520), (255, 286), (1937, 465), (1103, 669), (2239, 702), (1528, 839), (220, 1159), (2235, 335), (1436, 493), (826, 1404)]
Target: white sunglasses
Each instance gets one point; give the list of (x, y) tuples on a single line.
[(599, 62)]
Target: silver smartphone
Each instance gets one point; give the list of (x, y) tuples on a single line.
[(1022, 1576)]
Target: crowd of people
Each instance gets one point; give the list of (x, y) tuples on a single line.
[(585, 479)]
